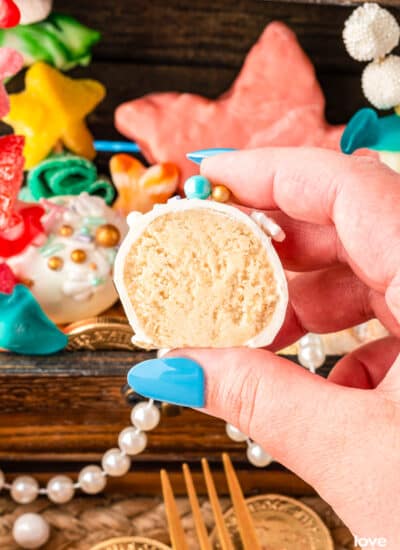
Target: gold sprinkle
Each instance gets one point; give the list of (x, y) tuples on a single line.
[(220, 193), (65, 231), (55, 263), (107, 235), (78, 256)]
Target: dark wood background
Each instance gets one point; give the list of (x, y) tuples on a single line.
[(61, 411)]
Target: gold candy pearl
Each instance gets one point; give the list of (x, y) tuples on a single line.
[(55, 263), (220, 193), (78, 256), (65, 231), (107, 235)]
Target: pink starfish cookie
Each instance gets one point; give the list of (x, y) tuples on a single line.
[(10, 63), (275, 100)]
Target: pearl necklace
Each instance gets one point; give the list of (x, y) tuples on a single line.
[(32, 530)]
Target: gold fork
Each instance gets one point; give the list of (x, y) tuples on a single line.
[(244, 520)]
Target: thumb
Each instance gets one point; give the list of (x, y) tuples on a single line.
[(296, 416)]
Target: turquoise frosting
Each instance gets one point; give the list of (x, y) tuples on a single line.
[(366, 130), (25, 328)]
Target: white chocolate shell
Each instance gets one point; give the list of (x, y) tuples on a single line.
[(172, 241), (371, 32)]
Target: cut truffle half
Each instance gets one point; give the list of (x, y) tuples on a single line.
[(195, 273)]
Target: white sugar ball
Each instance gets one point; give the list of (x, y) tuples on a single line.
[(381, 82), (370, 32)]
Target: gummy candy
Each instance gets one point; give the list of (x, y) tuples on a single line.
[(60, 41), (10, 63), (9, 14), (52, 109), (25, 229), (140, 188), (11, 175), (68, 175), (25, 328), (7, 279)]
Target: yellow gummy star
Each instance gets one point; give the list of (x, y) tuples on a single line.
[(52, 108)]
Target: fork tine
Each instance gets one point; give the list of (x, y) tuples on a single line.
[(176, 531), (243, 517), (196, 512), (224, 538)]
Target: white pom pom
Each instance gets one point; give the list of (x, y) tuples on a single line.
[(370, 33), (381, 82)]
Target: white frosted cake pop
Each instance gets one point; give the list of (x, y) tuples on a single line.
[(70, 272), (200, 273)]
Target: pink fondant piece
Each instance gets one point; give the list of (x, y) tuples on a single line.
[(275, 101), (10, 63)]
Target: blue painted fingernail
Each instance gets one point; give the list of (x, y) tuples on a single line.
[(177, 380), (198, 156)]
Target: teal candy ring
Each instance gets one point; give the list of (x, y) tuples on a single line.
[(67, 175)]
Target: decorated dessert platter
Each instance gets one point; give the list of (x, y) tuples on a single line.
[(113, 247)]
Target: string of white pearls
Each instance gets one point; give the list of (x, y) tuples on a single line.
[(311, 354), (32, 530)]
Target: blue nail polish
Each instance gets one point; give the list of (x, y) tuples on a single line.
[(176, 380), (198, 156)]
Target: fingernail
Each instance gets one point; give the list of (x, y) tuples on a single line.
[(198, 156), (176, 380)]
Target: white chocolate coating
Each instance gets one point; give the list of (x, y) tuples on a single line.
[(138, 224), (77, 290)]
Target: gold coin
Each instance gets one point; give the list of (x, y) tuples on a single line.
[(282, 523), (130, 543), (100, 333)]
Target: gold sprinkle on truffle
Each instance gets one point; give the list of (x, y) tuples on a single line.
[(65, 231), (78, 256), (220, 193), (55, 263), (107, 235)]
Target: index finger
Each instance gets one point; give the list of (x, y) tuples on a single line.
[(358, 195)]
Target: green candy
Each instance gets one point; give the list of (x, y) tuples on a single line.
[(66, 175), (59, 40)]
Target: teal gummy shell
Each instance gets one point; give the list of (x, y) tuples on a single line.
[(367, 131), (67, 175), (60, 41), (25, 328)]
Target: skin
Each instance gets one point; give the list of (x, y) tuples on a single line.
[(341, 435)]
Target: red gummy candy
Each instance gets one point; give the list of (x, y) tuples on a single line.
[(9, 14), (7, 279), (27, 226), (11, 176)]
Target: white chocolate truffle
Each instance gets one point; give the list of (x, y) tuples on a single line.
[(381, 82), (200, 273), (370, 33), (70, 272)]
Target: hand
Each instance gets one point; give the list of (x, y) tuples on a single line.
[(342, 435)]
